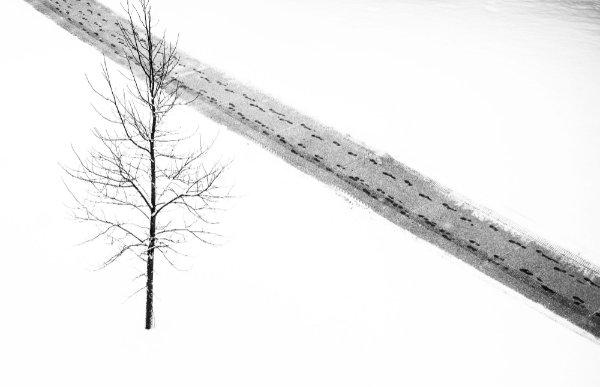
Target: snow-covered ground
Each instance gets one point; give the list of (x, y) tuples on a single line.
[(497, 100)]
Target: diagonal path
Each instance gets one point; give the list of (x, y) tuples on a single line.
[(562, 282)]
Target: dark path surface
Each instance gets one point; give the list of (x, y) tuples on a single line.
[(560, 281)]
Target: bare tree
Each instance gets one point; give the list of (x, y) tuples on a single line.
[(147, 188)]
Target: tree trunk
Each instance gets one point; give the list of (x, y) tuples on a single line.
[(152, 234), (150, 286)]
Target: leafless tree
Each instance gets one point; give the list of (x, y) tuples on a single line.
[(147, 187)]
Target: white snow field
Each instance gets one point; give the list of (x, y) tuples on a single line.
[(309, 289), (564, 283)]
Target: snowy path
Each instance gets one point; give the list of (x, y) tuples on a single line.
[(562, 282)]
